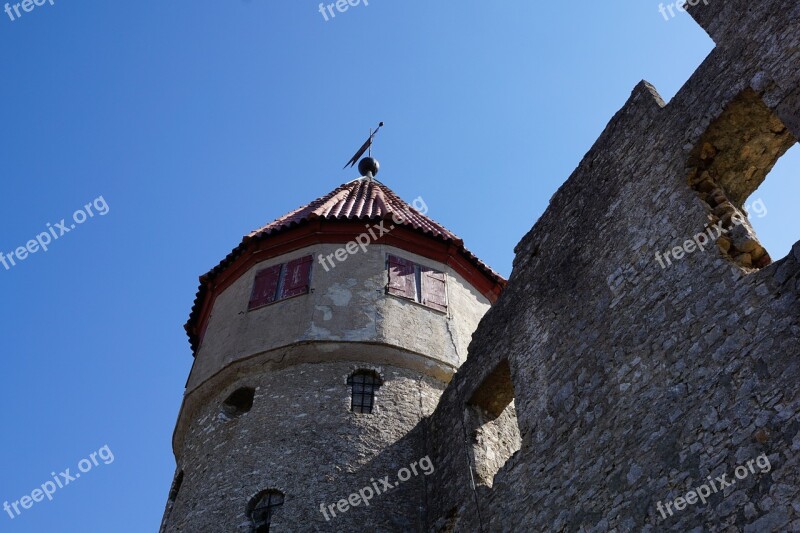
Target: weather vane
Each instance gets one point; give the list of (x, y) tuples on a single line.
[(367, 166)]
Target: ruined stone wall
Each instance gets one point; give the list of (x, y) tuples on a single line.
[(634, 383), (491, 441)]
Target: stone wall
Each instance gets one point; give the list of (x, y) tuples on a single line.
[(633, 383), (301, 439)]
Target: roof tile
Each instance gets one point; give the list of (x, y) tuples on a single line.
[(359, 199)]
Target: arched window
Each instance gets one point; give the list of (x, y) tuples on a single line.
[(262, 508), (364, 383)]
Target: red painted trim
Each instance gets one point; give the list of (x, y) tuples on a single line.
[(323, 232)]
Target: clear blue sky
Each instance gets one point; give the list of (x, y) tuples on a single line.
[(199, 121)]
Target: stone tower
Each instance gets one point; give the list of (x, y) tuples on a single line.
[(321, 343)]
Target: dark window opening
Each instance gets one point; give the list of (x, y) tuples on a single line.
[(239, 403), (730, 161), (262, 509), (491, 423), (364, 384), (417, 283), (280, 282)]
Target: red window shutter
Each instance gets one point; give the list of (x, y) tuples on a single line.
[(402, 281), (296, 277), (265, 286), (434, 291)]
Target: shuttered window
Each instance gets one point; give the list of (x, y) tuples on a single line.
[(265, 287), (296, 277), (418, 283), (434, 292), (402, 278), (279, 282)]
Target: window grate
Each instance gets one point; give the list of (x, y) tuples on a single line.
[(262, 511), (364, 383)]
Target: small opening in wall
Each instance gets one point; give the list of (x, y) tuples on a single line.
[(364, 384), (239, 403), (491, 421), (732, 160), (262, 508)]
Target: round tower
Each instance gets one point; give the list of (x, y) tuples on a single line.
[(321, 343)]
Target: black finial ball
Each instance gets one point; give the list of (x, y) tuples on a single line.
[(368, 166)]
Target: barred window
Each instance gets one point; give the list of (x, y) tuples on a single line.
[(364, 383), (262, 508)]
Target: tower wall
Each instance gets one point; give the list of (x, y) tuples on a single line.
[(347, 303), (301, 437)]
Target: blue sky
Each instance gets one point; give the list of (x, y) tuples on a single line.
[(199, 121)]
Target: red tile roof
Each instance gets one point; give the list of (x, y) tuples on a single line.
[(360, 199)]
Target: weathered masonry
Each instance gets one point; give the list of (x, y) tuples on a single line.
[(316, 361), (633, 384), (600, 387)]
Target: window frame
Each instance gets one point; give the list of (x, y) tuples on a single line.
[(259, 521), (421, 277), (376, 382), (283, 272)]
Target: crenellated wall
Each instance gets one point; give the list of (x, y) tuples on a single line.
[(636, 355), (634, 383)]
